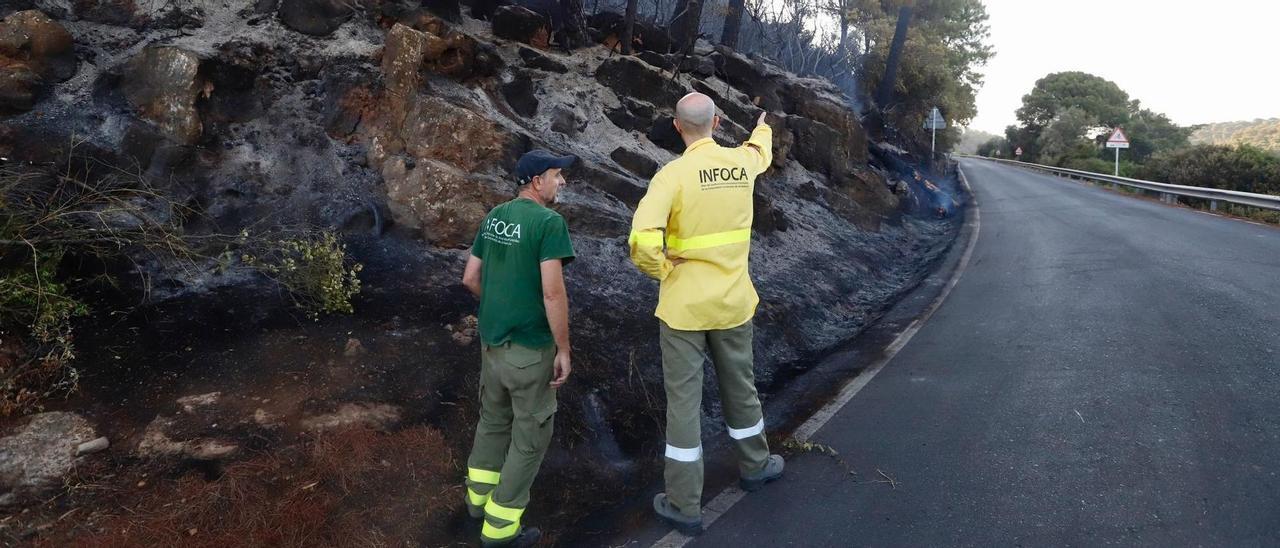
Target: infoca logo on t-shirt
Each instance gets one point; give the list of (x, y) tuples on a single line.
[(502, 232)]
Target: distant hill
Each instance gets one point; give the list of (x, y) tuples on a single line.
[(1262, 133)]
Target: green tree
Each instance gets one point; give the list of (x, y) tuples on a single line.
[(1057, 92), (995, 147), (1027, 140), (1064, 138), (1066, 115), (946, 48), (1150, 131)]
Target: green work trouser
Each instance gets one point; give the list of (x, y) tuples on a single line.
[(682, 358), (517, 404)]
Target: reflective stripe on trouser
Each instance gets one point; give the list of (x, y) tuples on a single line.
[(683, 354), (480, 484), (500, 522), (517, 410)]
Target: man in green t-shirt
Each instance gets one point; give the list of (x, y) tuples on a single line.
[(515, 269)]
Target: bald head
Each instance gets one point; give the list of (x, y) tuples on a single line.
[(696, 115)]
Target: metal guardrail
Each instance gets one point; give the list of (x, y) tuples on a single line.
[(1263, 201)]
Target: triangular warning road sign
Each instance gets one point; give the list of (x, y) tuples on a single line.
[(1117, 136)]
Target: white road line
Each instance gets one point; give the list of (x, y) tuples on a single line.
[(730, 496)]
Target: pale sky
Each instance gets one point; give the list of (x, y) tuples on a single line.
[(1196, 61)]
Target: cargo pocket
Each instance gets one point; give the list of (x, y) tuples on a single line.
[(521, 357), (534, 434)]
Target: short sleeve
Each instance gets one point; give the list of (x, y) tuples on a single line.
[(478, 246), (555, 240)]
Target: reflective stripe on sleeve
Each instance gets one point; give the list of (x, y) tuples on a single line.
[(744, 433), (684, 455), (709, 240)]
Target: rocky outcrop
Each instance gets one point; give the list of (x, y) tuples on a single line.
[(435, 128), (35, 458), (35, 52), (315, 17), (567, 122), (534, 59), (522, 25), (607, 27), (520, 95), (633, 78), (402, 58), (18, 88), (636, 163), (450, 52), (168, 14), (163, 83), (445, 203), (632, 115)]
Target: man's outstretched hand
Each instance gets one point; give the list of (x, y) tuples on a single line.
[(761, 121)]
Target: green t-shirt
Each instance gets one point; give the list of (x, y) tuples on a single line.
[(513, 239)]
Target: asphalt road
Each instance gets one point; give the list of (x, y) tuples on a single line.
[(1106, 372)]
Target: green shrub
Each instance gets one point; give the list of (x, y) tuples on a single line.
[(85, 209), (313, 269), (36, 307), (1092, 165), (1231, 167)]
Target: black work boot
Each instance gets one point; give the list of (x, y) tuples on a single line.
[(526, 538), (669, 513)]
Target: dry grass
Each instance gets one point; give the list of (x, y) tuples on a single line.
[(353, 487)]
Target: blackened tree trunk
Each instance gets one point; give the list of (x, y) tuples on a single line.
[(844, 28), (733, 23), (884, 93), (685, 24), (573, 32), (628, 26)]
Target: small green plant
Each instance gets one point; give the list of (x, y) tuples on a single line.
[(33, 372), (313, 269), (81, 209), (798, 446)]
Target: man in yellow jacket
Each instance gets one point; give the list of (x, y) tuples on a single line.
[(692, 232)]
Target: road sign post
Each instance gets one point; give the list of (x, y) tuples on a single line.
[(1117, 140), (935, 122)]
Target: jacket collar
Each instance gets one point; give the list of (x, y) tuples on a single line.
[(697, 144)]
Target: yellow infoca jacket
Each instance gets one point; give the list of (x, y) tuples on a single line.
[(703, 202)]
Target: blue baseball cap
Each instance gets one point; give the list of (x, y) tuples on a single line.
[(538, 161)]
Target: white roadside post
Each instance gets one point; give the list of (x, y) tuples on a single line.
[(1117, 140), (935, 122)]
